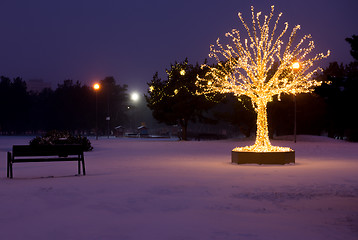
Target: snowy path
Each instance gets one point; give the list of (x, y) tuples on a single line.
[(168, 190)]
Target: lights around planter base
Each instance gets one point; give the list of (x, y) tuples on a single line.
[(242, 157)]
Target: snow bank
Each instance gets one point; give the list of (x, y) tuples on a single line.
[(162, 189)]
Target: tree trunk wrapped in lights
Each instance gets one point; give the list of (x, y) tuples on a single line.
[(262, 67)]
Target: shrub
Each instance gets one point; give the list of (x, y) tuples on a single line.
[(61, 137)]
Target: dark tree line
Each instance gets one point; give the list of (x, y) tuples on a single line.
[(14, 104), (71, 107), (339, 93), (332, 108), (341, 117)]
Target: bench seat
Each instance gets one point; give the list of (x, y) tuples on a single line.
[(45, 153)]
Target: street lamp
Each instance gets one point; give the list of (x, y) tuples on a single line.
[(295, 67), (134, 97), (96, 88)]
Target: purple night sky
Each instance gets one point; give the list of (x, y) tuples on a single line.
[(87, 40)]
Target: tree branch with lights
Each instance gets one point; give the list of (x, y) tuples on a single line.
[(261, 67)]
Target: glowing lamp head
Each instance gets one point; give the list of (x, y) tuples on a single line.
[(134, 97), (182, 72), (295, 65), (96, 86)]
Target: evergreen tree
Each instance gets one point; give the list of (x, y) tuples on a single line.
[(353, 41), (339, 92), (174, 100)]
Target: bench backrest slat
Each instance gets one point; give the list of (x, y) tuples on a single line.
[(47, 150)]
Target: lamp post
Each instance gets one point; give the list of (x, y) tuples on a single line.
[(96, 88), (108, 118), (134, 98), (295, 67)]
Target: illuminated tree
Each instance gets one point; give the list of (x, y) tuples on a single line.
[(262, 67)]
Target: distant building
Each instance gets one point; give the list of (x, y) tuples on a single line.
[(143, 131), (119, 131), (37, 85)]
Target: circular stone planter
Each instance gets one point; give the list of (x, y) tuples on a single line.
[(263, 157)]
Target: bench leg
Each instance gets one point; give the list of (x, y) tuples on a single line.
[(81, 160), (83, 166), (9, 165), (11, 176), (79, 167)]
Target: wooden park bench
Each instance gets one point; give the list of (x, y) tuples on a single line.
[(45, 153)]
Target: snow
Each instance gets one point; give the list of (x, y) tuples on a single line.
[(169, 190)]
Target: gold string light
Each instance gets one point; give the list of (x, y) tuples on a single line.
[(163, 92), (261, 67)]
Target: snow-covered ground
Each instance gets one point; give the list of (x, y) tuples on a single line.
[(168, 190)]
